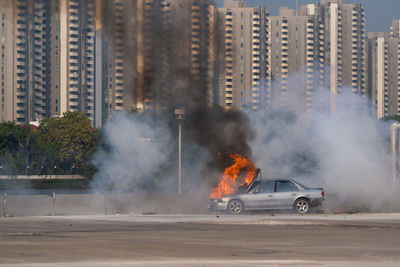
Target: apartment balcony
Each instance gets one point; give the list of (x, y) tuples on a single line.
[(73, 32), (73, 100)]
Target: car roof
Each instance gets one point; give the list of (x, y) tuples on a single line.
[(277, 180)]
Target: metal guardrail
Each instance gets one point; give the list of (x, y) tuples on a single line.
[(41, 177)]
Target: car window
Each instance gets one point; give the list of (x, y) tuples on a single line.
[(253, 185), (255, 188), (286, 186), (267, 187)]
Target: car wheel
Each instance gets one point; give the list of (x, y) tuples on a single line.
[(235, 206), (302, 205)]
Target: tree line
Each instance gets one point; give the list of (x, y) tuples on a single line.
[(58, 146)]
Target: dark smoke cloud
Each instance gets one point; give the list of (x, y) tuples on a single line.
[(220, 132), (210, 134)]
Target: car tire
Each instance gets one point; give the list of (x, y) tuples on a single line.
[(235, 206), (302, 205)]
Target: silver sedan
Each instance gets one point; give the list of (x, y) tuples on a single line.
[(271, 194)]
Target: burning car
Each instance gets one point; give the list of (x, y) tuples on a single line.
[(240, 187), (271, 194)]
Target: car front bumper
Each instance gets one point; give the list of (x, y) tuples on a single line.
[(217, 205)]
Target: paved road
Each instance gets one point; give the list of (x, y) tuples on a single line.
[(202, 240)]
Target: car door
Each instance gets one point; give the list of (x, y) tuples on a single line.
[(285, 194), (267, 199), (252, 197), (260, 197)]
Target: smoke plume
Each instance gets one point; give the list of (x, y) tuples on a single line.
[(347, 153)]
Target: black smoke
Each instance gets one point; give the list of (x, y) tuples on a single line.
[(167, 81)]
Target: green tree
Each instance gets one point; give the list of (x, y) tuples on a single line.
[(66, 144), (14, 151), (392, 118)]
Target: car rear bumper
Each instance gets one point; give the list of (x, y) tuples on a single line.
[(316, 202)]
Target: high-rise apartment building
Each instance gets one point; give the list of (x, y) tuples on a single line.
[(294, 60), (285, 60), (384, 71), (80, 21), (394, 69), (49, 55), (342, 50), (119, 54), (244, 57), (378, 73), (175, 54), (153, 54), (319, 46), (26, 59)]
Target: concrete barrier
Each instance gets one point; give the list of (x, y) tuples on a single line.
[(99, 203), (3, 204), (28, 205), (42, 177), (154, 203), (79, 204)]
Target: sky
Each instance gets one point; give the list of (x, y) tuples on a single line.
[(379, 13)]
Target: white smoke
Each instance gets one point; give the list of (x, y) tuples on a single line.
[(347, 153), (136, 150)]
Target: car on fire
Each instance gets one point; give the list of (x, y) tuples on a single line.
[(271, 194)]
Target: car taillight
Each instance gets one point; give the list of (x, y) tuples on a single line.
[(323, 194)]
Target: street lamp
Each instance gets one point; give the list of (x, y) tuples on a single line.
[(179, 116), (393, 128)]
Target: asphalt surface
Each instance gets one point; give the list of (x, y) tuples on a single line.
[(202, 240)]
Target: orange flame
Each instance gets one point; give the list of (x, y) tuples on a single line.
[(230, 180)]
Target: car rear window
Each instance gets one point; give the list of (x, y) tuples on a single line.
[(286, 186)]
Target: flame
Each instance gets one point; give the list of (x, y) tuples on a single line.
[(230, 180)]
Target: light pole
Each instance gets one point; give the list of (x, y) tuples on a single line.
[(179, 116), (393, 128)]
